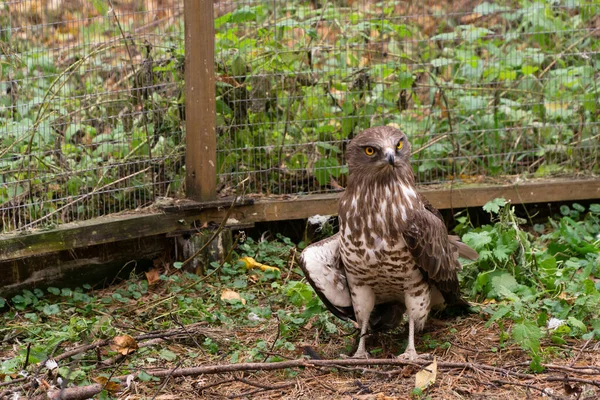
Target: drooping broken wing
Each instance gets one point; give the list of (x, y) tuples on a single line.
[(324, 271)]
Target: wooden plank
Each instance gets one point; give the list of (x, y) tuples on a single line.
[(92, 265), (200, 109), (543, 191), (129, 226)]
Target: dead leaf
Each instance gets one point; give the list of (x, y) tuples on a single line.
[(426, 377), (152, 276), (124, 344), (228, 294), (108, 385)]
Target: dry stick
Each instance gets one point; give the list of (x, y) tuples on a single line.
[(74, 393), (580, 351), (525, 385), (166, 380), (145, 119), (83, 197), (253, 392), (216, 369)]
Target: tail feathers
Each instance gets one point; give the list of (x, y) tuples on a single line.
[(464, 251)]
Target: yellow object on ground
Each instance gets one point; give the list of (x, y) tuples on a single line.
[(251, 263)]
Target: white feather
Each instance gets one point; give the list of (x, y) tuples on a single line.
[(321, 264)]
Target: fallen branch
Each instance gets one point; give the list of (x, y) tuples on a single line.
[(74, 393), (84, 391)]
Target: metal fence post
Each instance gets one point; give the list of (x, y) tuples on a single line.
[(200, 116)]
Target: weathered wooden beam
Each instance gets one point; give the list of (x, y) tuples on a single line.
[(95, 265), (200, 101), (188, 215)]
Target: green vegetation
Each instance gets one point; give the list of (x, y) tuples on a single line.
[(537, 288), (547, 278), (504, 88)]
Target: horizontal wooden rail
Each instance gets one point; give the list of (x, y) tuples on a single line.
[(185, 215)]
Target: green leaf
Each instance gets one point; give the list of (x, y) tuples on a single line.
[(145, 377), (504, 286), (477, 240), (501, 252), (51, 309), (527, 335), (177, 264), (493, 207), (441, 62), (500, 313), (53, 290), (238, 66), (325, 168), (574, 322), (167, 355), (486, 8)]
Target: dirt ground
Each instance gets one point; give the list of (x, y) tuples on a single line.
[(472, 364)]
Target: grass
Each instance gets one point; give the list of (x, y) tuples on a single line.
[(483, 91), (537, 289)]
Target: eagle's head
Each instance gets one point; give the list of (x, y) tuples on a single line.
[(379, 150)]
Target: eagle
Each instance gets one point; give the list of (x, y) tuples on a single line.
[(393, 254)]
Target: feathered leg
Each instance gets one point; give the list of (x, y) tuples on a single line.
[(410, 352), (417, 303), (363, 301)]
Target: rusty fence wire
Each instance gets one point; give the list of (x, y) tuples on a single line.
[(90, 118)]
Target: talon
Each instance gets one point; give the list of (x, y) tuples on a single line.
[(361, 354), (409, 354)]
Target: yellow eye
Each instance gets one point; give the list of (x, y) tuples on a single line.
[(400, 144), (369, 151)]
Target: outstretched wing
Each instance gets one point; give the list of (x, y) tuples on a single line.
[(323, 268), (435, 254)]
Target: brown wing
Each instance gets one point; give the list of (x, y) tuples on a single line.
[(463, 250), (427, 238)]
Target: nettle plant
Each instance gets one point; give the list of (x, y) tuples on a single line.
[(541, 284)]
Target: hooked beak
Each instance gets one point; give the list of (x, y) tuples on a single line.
[(390, 157)]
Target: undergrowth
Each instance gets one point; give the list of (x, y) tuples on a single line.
[(536, 287), (534, 284)]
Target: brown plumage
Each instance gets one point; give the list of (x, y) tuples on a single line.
[(393, 254)]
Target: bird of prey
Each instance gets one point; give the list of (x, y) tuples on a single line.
[(392, 254)]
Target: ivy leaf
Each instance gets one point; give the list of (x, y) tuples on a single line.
[(51, 309), (493, 207)]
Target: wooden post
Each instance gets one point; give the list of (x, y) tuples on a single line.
[(200, 111)]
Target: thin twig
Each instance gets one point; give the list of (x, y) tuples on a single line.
[(166, 380), (132, 65)]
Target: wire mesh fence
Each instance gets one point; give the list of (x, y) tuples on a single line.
[(92, 113), (89, 116), (482, 89)]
